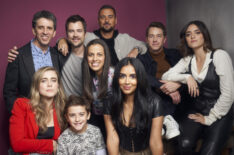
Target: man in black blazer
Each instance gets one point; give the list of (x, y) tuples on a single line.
[(157, 60), (32, 56)]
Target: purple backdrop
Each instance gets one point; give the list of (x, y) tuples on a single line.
[(16, 15)]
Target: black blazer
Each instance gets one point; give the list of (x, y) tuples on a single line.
[(19, 74), (172, 57)]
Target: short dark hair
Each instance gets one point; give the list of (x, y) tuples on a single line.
[(74, 19), (74, 100), (106, 7), (157, 25), (43, 14)]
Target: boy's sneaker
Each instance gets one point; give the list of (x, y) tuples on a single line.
[(172, 127), (163, 132)]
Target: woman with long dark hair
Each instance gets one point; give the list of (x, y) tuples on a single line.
[(97, 78), (133, 116), (35, 123), (208, 73)]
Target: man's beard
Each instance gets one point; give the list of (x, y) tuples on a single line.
[(77, 46), (106, 30)]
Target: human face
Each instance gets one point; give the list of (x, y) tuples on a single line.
[(48, 86), (128, 80), (44, 31), (96, 58), (107, 20), (194, 37), (76, 34), (77, 117), (155, 39)]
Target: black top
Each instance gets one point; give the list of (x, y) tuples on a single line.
[(172, 57), (48, 134), (209, 90), (131, 139)]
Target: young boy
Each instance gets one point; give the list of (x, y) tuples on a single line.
[(80, 138)]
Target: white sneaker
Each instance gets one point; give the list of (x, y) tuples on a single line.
[(172, 127), (163, 132)]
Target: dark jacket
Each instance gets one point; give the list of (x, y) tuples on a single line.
[(172, 57), (19, 74)]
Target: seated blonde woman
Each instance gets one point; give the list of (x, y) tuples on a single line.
[(35, 124)]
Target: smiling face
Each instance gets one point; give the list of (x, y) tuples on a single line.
[(155, 39), (77, 117), (44, 32), (96, 58), (128, 80), (48, 86), (107, 20), (194, 37), (76, 34)]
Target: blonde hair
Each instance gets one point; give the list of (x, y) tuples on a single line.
[(36, 100)]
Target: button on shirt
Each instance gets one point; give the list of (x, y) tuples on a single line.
[(40, 59)]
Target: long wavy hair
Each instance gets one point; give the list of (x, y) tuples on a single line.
[(36, 100), (183, 46), (88, 74), (140, 115)]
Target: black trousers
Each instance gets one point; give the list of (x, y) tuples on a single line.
[(98, 121), (214, 136), (168, 106)]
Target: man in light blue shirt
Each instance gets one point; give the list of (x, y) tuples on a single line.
[(40, 58), (32, 56)]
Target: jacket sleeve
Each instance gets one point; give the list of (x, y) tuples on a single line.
[(140, 45), (178, 73), (224, 70), (19, 127), (10, 92), (154, 82), (88, 37)]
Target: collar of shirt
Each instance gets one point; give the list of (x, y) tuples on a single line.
[(40, 59), (37, 50), (200, 76)]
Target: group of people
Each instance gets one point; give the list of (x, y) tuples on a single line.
[(104, 92)]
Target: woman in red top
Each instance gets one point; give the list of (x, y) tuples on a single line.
[(36, 122)]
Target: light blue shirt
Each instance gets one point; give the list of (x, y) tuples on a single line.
[(40, 59)]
